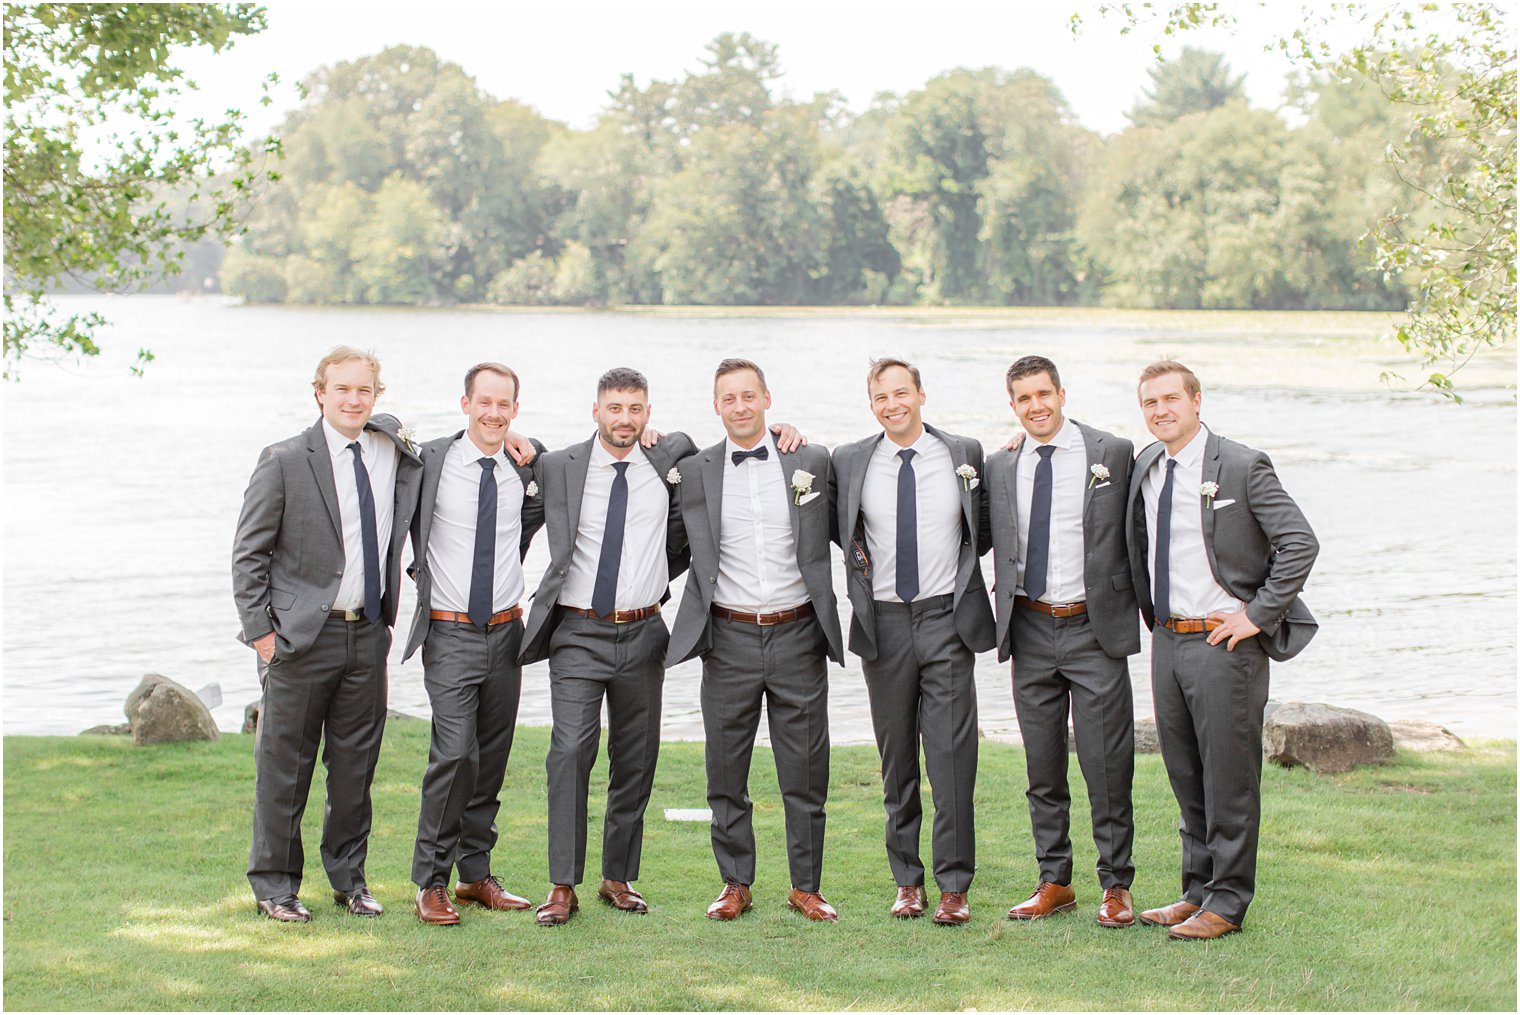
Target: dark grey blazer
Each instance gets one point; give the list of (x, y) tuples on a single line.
[(287, 557), (433, 454), (1111, 607), (701, 503), (973, 611), (1260, 548), (561, 477)]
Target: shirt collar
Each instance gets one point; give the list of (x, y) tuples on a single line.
[(920, 446), (474, 454), (602, 458), (1191, 451), (337, 443), (766, 441), (1065, 438)]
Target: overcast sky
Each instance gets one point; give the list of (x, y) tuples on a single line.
[(563, 57)]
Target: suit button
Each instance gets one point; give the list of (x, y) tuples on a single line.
[(326, 607), (562, 574), (712, 581), (337, 574), (1012, 560)]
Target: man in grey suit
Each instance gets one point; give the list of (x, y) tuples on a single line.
[(1219, 552), (1066, 614), (912, 525), (759, 608), (315, 567), (478, 514), (614, 544)]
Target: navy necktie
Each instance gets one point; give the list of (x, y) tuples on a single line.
[(1037, 557), (907, 528), (483, 570), (368, 534), (759, 454), (1164, 547), (604, 595)]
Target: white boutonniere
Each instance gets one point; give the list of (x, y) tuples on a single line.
[(1209, 490), (532, 488), (1099, 472), (408, 436), (802, 483), (673, 477), (967, 474)]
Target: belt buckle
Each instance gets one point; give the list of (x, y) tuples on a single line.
[(761, 621), (352, 615), (621, 617)]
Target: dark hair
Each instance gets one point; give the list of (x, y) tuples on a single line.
[(1161, 368), (1028, 366), (885, 363), (622, 379), (495, 368), (733, 365)]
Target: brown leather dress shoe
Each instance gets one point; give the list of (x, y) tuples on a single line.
[(433, 906), (952, 910), (1169, 916), (490, 894), (359, 902), (1117, 909), (1202, 926), (620, 895), (811, 905), (911, 902), (558, 907), (1048, 898), (731, 903), (285, 910)]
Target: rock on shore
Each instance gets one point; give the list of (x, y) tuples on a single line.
[(1325, 738), (161, 711)]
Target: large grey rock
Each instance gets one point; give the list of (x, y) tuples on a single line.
[(1325, 738), (164, 712), (107, 730), (1419, 735), (251, 715), (1146, 741)]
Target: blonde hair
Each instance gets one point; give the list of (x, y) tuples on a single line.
[(342, 354), (1170, 366)]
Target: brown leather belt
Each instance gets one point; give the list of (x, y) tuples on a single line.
[(348, 615), (1193, 625), (763, 619), (616, 616), (464, 618), (1052, 609)]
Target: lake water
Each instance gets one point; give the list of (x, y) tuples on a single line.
[(121, 494)]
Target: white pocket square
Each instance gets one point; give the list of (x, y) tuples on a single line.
[(809, 496), (1106, 482), (973, 485), (1222, 504)]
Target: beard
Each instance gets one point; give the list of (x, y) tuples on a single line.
[(615, 440)]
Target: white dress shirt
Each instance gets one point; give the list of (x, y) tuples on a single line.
[(380, 462), (1193, 591), (939, 517), (1065, 580), (451, 539), (757, 556), (644, 572)]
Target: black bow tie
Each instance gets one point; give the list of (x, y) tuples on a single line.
[(759, 454)]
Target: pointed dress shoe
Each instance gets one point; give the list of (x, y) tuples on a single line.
[(287, 909), (1169, 916), (911, 902), (811, 905), (731, 903), (1203, 926), (488, 893), (434, 907), (1048, 898), (1117, 908), (359, 902), (952, 910), (558, 907), (620, 895)]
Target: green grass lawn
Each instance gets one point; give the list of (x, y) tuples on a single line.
[(1391, 887)]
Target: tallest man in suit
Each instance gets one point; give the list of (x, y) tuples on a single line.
[(1219, 552)]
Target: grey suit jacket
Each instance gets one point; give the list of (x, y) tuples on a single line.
[(1111, 607), (973, 611), (701, 504), (287, 557), (561, 479), (1260, 548), (432, 454)]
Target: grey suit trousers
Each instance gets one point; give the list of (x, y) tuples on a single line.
[(625, 663), (1209, 708), (334, 691), (474, 683), (921, 683), (786, 666), (1059, 667)]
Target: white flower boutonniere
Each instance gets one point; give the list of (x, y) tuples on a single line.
[(1209, 490), (802, 484), (408, 436), (673, 477), (967, 474), (1099, 472), (532, 488)]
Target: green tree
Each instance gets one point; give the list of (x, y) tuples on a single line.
[(1196, 82), (96, 160)]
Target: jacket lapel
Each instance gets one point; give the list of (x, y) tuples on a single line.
[(858, 483), (321, 465), (788, 462), (957, 459), (1205, 504), (578, 461), (712, 490), (432, 474), (1094, 444)]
